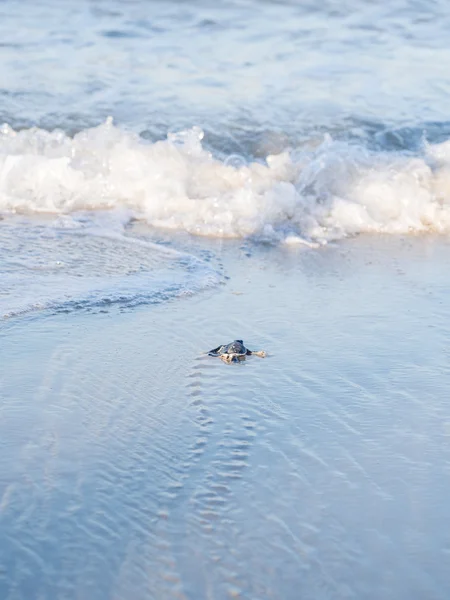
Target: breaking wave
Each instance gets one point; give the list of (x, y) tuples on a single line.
[(315, 193)]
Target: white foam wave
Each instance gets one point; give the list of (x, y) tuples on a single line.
[(333, 191)]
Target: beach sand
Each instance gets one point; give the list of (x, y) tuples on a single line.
[(132, 466)]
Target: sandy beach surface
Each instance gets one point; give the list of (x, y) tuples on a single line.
[(132, 466)]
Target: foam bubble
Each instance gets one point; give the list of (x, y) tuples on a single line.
[(314, 195)]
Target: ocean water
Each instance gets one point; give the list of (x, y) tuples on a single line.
[(172, 173)]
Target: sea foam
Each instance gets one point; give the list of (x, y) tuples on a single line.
[(87, 261), (330, 192)]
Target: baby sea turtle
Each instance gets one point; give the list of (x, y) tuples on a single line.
[(234, 352)]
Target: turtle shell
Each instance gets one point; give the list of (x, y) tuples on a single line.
[(236, 347)]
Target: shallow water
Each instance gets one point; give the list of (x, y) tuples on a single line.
[(174, 175), (90, 263)]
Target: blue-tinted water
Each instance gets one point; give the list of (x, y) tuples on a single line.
[(240, 69), (177, 174)]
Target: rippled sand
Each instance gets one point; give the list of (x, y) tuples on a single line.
[(131, 466)]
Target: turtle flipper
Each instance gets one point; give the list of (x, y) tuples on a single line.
[(215, 351), (260, 353)]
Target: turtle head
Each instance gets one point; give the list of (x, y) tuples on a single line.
[(240, 341)]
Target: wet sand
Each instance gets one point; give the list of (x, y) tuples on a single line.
[(134, 467)]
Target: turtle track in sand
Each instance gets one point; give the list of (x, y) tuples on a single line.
[(201, 509)]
